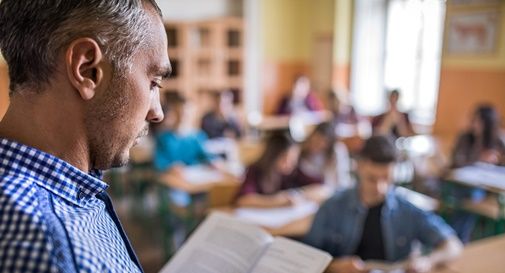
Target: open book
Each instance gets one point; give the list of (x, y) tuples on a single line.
[(223, 244)]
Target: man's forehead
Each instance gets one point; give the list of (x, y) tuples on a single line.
[(156, 47)]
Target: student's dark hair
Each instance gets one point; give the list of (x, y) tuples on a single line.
[(379, 149), (394, 92), (327, 130), (490, 120), (277, 143), (33, 33)]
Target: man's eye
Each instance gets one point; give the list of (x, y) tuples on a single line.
[(155, 85)]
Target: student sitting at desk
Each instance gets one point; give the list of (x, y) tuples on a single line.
[(393, 122), (174, 149), (482, 142), (301, 99), (221, 120), (371, 222), (267, 179), (344, 117), (323, 160)]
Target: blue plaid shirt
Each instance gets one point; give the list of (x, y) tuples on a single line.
[(56, 218)]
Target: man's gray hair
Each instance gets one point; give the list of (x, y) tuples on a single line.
[(34, 32)]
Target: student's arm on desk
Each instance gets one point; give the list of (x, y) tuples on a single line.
[(281, 199), (351, 264), (447, 251), (433, 231)]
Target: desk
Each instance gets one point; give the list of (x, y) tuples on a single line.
[(300, 125), (295, 228), (304, 212), (489, 178), (481, 176), (190, 215), (486, 256), (178, 182)]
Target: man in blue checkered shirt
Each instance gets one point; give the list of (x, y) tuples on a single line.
[(84, 85)]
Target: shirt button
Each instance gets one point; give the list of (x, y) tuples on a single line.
[(80, 194)]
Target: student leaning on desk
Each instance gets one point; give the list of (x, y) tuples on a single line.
[(371, 222), (267, 180)]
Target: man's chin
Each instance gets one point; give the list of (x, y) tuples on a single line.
[(121, 160)]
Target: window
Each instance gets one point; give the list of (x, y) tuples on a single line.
[(397, 44), (413, 55)]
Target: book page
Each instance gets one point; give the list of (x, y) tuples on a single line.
[(285, 255), (221, 244), (276, 217)]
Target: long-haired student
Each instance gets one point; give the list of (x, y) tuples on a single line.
[(267, 180)]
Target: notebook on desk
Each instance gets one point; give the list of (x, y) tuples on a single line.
[(276, 217), (481, 174)]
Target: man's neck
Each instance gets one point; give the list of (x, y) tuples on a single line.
[(39, 122)]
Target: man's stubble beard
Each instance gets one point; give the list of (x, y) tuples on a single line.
[(106, 119)]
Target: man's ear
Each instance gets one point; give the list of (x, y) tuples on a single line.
[(85, 66)]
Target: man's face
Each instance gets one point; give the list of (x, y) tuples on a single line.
[(374, 181), (118, 117), (393, 100)]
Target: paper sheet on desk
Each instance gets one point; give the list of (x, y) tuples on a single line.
[(276, 217), (481, 174), (201, 174)]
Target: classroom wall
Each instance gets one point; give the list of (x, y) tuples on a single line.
[(199, 9), (466, 81), (292, 34), (342, 45)]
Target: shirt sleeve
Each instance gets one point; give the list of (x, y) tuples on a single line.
[(319, 236), (431, 229), (162, 155), (24, 245), (202, 155)]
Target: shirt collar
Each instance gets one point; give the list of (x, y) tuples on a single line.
[(50, 172), (390, 203)]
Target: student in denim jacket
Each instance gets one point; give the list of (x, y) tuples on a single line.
[(370, 222)]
